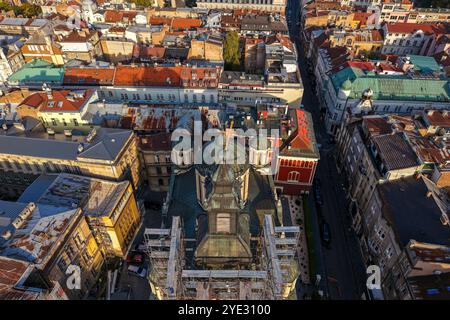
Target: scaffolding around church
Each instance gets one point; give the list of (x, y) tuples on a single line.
[(272, 276)]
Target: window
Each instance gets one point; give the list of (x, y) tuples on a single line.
[(223, 223), (62, 264), (293, 176), (54, 122), (75, 122)]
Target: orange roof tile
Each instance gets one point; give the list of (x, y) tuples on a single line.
[(412, 27), (156, 21), (147, 76), (119, 16), (185, 23), (60, 101), (86, 76)]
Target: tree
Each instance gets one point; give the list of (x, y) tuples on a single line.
[(30, 10), (231, 54), (27, 10), (143, 3)]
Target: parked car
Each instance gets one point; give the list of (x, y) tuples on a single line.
[(152, 205), (318, 194), (325, 233), (138, 271)]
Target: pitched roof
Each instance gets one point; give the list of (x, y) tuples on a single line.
[(395, 152), (119, 16), (413, 215), (402, 27), (302, 142), (87, 76), (64, 100), (144, 52), (11, 270), (106, 145), (38, 70), (185, 23), (392, 87), (147, 76)]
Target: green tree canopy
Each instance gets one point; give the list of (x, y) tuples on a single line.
[(231, 51), (27, 10)]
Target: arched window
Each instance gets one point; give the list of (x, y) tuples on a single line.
[(293, 176)]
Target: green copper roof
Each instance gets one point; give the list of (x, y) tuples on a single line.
[(386, 87), (38, 71), (424, 64)]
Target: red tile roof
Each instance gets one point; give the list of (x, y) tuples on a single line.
[(412, 27), (366, 66), (438, 118), (11, 271), (119, 16), (178, 76), (79, 36), (377, 126), (156, 142), (301, 139), (147, 76), (87, 76), (156, 21), (34, 100), (185, 23), (361, 16), (143, 52), (63, 100)]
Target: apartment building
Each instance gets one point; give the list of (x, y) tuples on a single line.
[(260, 5), (410, 38), (406, 235), (81, 45), (22, 26), (104, 153), (156, 149), (362, 91), (11, 58), (61, 110), (50, 240), (368, 157), (110, 208), (42, 46)]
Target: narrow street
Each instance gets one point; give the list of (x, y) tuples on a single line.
[(340, 265)]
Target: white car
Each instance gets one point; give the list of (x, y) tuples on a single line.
[(139, 271)]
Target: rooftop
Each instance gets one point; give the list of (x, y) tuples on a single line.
[(413, 215), (59, 100), (11, 271), (89, 76), (395, 152), (106, 145), (30, 231), (96, 197)]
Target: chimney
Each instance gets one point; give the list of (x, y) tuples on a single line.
[(49, 93)]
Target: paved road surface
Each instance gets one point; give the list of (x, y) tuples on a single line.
[(341, 264)]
